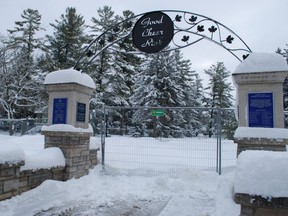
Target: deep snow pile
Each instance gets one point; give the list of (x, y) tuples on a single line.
[(192, 193), (263, 173), (262, 62), (268, 133), (31, 149), (69, 76)]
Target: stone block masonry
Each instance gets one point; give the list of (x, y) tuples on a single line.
[(9, 179), (75, 147), (14, 181), (252, 205), (29, 179), (267, 139)]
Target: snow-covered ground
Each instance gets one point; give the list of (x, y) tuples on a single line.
[(192, 193)]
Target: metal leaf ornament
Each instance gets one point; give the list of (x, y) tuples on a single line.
[(89, 53), (116, 29), (229, 39), (101, 42), (178, 18), (110, 39), (212, 29), (200, 28), (185, 38), (245, 56), (193, 19)]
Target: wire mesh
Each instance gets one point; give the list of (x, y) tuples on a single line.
[(131, 149)]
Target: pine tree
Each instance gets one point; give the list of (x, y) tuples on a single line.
[(25, 30), (113, 69), (157, 86), (102, 67), (193, 90), (65, 45), (22, 45), (219, 94)]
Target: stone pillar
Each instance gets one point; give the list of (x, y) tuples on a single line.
[(68, 119), (260, 90), (259, 83)]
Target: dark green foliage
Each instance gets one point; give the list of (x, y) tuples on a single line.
[(65, 45), (218, 96)]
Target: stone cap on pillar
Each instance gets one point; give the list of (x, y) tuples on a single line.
[(272, 65), (69, 76), (263, 136), (60, 130), (69, 96), (262, 62)]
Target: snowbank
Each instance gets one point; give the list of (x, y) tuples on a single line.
[(262, 62), (11, 154), (263, 173), (268, 133), (66, 128), (69, 76), (194, 193), (45, 159)]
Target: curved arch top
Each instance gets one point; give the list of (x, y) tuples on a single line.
[(189, 28)]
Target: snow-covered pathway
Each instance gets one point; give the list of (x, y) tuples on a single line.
[(192, 194)]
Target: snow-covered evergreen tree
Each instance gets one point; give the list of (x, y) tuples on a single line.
[(102, 66), (64, 47), (158, 85), (113, 69), (218, 94), (193, 91)]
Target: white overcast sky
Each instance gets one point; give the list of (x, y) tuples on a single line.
[(262, 24)]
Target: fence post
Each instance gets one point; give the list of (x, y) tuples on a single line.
[(103, 134), (219, 130)]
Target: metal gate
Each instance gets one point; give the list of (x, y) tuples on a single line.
[(152, 140)]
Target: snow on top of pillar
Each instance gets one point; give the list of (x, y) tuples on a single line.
[(69, 76), (262, 62)]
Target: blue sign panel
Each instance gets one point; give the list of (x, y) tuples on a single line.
[(81, 112), (260, 110), (59, 111)]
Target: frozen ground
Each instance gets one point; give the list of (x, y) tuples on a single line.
[(191, 193)]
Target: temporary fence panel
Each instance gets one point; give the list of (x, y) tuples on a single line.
[(135, 148)]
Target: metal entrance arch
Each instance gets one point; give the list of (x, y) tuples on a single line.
[(188, 29)]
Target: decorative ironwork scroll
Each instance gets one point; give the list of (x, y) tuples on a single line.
[(189, 28)]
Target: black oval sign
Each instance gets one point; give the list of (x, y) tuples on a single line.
[(153, 32)]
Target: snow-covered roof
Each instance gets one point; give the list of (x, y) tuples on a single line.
[(262, 62), (69, 76), (263, 173), (254, 132), (66, 128)]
